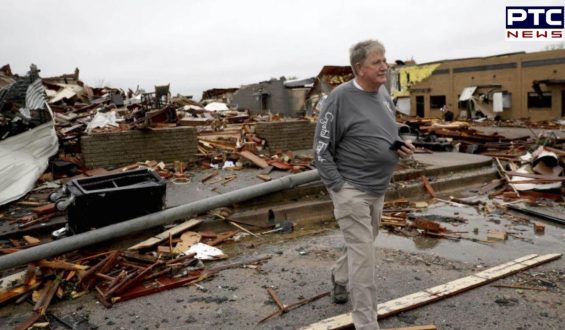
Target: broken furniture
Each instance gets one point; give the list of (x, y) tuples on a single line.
[(162, 95), (104, 200)]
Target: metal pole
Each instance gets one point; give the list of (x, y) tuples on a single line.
[(164, 217)]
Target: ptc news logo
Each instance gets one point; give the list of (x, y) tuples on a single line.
[(531, 23)]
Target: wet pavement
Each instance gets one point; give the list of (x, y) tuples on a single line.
[(299, 264), (299, 269), (522, 239)]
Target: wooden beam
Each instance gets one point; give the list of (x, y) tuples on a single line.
[(536, 176), (260, 162), (417, 327), (164, 235), (421, 298), (428, 186)]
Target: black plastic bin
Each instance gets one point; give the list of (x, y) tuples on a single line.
[(108, 199)]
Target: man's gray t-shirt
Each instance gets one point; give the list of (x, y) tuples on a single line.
[(354, 133)]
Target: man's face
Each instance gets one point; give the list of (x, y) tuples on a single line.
[(373, 70)]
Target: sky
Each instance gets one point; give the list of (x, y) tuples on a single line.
[(200, 44)]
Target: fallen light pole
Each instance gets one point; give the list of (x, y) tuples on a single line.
[(164, 217)]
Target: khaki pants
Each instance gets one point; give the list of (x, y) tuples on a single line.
[(358, 214)]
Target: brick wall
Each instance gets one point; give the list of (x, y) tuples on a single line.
[(287, 135), (123, 148)]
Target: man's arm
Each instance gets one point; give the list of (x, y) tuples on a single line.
[(324, 146)]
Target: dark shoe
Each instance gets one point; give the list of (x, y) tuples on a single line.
[(339, 293)]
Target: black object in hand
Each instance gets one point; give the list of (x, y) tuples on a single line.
[(397, 145)]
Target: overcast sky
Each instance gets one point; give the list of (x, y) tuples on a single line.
[(200, 44)]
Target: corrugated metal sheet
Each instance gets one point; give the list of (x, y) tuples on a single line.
[(36, 98), (308, 82), (24, 157)]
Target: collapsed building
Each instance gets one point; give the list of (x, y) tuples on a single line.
[(327, 79), (506, 86), (280, 96), (224, 95)]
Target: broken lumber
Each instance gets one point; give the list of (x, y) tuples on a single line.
[(421, 298), (209, 176), (264, 177), (244, 229), (503, 173), (286, 308), (260, 162), (417, 327), (60, 264), (165, 235), (30, 240), (428, 186), (499, 235), (536, 176)]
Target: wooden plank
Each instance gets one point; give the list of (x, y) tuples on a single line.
[(402, 303), (222, 237), (30, 240), (536, 176), (428, 186), (498, 235), (488, 273), (417, 327), (165, 235), (209, 176), (60, 264), (425, 297), (16, 292), (45, 209), (452, 286), (264, 177), (522, 265), (260, 162)]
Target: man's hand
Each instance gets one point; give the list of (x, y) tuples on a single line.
[(407, 150)]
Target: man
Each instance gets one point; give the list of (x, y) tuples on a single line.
[(355, 133)]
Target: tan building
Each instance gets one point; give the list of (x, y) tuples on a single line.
[(511, 86)]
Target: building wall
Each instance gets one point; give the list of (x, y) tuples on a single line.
[(287, 135), (123, 148), (278, 100), (297, 99), (515, 74)]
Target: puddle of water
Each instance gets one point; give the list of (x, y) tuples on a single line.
[(521, 241)]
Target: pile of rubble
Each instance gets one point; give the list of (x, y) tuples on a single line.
[(157, 264)]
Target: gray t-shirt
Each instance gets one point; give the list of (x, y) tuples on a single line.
[(353, 136)]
